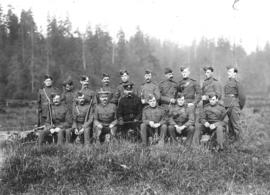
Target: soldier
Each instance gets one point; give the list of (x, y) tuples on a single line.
[(234, 101), (168, 89), (44, 98), (106, 87), (154, 120), (68, 94), (82, 120), (189, 87), (148, 87), (129, 111), (57, 121), (210, 84), (181, 120), (120, 89), (105, 118), (211, 119), (86, 91)]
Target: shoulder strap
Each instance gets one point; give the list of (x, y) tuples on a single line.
[(46, 95)]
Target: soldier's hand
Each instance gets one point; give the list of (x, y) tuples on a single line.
[(172, 100), (206, 124), (99, 126), (81, 131), (190, 104), (151, 123), (111, 126), (182, 127), (178, 129), (52, 130), (143, 101), (204, 97), (212, 126), (156, 125), (76, 131)]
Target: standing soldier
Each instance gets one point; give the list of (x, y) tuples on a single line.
[(189, 87), (154, 120), (106, 87), (211, 119), (120, 89), (86, 91), (44, 98), (105, 118), (234, 101), (181, 120), (57, 121), (68, 94), (168, 89), (129, 111), (210, 85), (148, 88)]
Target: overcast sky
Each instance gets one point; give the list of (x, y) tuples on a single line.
[(180, 21)]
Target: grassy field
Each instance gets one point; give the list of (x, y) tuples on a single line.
[(126, 168)]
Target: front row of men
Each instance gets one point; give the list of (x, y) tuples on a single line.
[(105, 121)]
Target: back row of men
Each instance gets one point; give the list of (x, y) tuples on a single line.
[(167, 107)]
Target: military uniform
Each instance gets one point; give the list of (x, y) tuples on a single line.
[(80, 121), (234, 101), (149, 88), (168, 90), (157, 115), (120, 91), (44, 100), (60, 118), (68, 98), (105, 115), (211, 85), (213, 114), (182, 115), (191, 90), (129, 113)]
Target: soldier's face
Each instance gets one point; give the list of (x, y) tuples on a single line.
[(81, 100), (213, 100), (169, 76), (185, 73), (208, 73), (147, 77), (69, 87), (48, 82), (231, 73), (56, 100), (85, 82), (181, 101), (152, 102), (103, 99), (125, 77), (106, 80)]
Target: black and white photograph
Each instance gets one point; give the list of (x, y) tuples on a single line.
[(139, 97)]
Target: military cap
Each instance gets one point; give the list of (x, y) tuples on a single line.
[(84, 78), (103, 92), (208, 68), (123, 72), (179, 95), (105, 75), (230, 67), (212, 94), (68, 82), (128, 86), (47, 76), (167, 70), (182, 68), (147, 71)]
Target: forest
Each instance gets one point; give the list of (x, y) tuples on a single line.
[(26, 55)]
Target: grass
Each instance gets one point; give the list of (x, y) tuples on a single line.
[(127, 168)]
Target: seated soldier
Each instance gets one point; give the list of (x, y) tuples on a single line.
[(211, 120), (181, 121), (104, 118), (82, 121), (154, 121), (129, 112), (58, 120)]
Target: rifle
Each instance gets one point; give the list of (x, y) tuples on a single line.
[(88, 111), (38, 118)]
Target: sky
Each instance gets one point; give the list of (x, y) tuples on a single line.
[(180, 21)]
